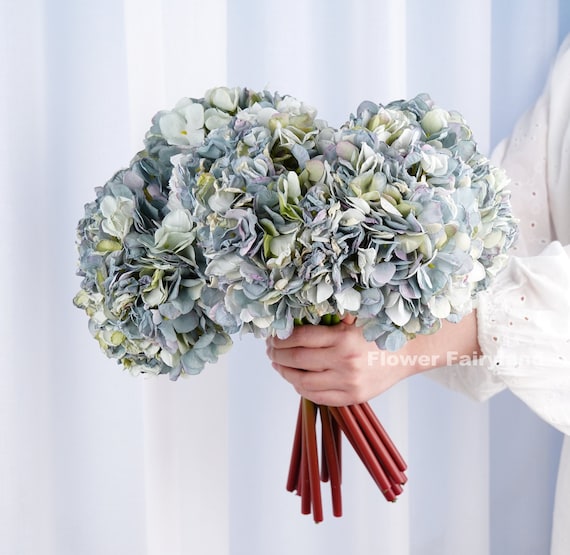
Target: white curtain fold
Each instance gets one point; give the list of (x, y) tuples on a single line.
[(94, 461), (25, 435)]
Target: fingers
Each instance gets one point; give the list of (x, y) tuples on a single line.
[(323, 363), (300, 358), (349, 319), (311, 336), (322, 388), (308, 347), (305, 381)]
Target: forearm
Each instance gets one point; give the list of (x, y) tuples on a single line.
[(452, 344), (337, 366)]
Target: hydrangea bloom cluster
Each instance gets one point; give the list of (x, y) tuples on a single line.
[(245, 213), (144, 284), (431, 214)]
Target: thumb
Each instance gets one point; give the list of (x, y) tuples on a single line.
[(349, 319)]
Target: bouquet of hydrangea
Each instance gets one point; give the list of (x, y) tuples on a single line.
[(247, 214)]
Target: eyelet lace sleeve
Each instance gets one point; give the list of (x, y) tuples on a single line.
[(524, 332)]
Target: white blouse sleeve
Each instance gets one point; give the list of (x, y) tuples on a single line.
[(524, 332), (524, 318)]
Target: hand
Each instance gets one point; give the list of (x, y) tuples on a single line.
[(332, 365), (336, 366)]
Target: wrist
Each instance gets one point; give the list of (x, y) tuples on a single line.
[(453, 342)]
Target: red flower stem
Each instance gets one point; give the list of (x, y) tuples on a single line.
[(397, 488), (330, 453), (295, 464), (350, 427), (303, 487), (337, 433), (378, 445), (302, 479), (325, 473), (398, 459), (312, 458), (375, 470)]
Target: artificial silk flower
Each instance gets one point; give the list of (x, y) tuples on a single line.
[(244, 213)]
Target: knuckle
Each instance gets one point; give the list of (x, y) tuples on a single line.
[(296, 356), (303, 380)]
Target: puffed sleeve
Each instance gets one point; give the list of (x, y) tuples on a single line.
[(524, 336), (524, 332)]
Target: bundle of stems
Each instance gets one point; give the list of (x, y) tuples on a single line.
[(364, 432), (366, 435)]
